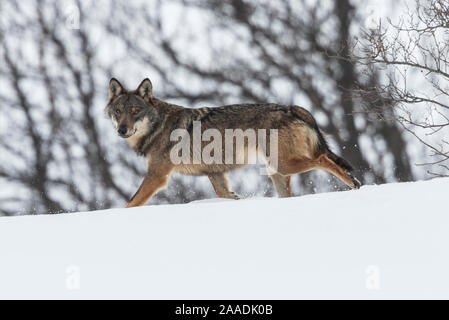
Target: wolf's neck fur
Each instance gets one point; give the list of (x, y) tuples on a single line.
[(142, 129)]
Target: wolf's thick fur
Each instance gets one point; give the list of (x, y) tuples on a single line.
[(147, 123)]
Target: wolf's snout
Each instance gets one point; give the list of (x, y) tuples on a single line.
[(122, 131)]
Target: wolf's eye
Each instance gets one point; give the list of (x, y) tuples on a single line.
[(117, 112), (135, 111)]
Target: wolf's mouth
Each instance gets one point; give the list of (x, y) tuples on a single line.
[(126, 136)]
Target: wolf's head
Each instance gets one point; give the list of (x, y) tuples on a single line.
[(128, 109)]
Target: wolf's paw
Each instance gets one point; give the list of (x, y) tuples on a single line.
[(357, 184), (234, 196)]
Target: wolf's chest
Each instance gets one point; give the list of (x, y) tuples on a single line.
[(134, 141)]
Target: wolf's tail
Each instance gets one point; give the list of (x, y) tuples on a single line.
[(340, 161), (324, 148)]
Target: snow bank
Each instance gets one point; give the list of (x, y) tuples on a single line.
[(388, 241)]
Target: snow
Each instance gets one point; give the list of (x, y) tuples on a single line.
[(388, 241)]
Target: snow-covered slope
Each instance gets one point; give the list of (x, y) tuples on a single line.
[(389, 241)]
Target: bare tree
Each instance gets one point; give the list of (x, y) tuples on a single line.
[(59, 152), (414, 53)]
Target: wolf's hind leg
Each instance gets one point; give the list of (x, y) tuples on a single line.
[(282, 185), (221, 186), (321, 162), (344, 175)]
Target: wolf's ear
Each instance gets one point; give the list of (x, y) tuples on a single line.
[(115, 88), (145, 90)]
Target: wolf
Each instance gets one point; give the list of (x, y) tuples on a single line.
[(147, 123)]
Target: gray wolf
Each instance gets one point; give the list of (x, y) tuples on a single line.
[(147, 123)]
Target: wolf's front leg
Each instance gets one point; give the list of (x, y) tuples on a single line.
[(152, 183)]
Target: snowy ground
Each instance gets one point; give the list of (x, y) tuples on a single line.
[(387, 241)]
